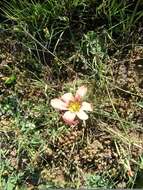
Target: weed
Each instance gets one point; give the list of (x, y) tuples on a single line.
[(96, 181)]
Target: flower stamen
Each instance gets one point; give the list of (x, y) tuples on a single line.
[(74, 106)]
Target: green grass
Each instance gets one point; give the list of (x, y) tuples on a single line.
[(49, 48)]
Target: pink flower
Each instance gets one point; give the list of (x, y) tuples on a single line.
[(73, 106)]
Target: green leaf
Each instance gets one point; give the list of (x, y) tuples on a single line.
[(11, 183), (140, 104), (11, 80)]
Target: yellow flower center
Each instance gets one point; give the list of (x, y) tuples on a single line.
[(74, 106)]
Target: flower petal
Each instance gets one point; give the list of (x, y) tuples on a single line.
[(69, 117), (67, 97), (86, 106), (81, 91), (82, 115), (58, 104)]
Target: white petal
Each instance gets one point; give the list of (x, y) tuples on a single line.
[(58, 104), (82, 115), (86, 106), (67, 97), (81, 91), (69, 117)]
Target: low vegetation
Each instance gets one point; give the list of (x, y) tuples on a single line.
[(49, 48)]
